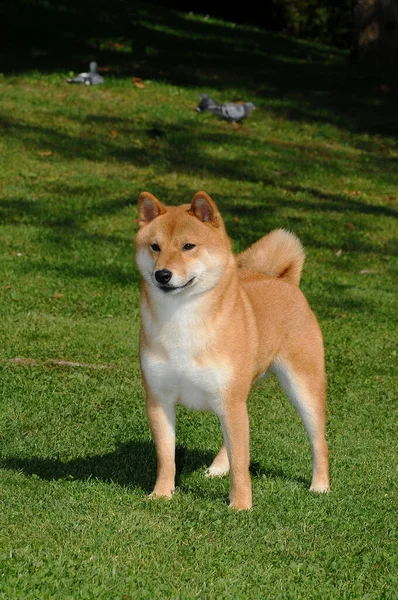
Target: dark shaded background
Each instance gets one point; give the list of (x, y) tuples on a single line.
[(56, 28), (150, 40)]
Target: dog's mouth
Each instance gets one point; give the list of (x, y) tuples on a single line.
[(173, 288)]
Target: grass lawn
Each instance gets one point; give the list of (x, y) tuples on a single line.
[(318, 156)]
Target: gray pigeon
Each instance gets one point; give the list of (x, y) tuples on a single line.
[(229, 111), (90, 78), (205, 103)]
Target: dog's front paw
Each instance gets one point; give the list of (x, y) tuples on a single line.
[(240, 501), (241, 505), (216, 471), (321, 488)]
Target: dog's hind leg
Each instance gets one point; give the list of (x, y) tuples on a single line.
[(220, 465), (307, 390)]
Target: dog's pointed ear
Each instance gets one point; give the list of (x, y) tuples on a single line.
[(149, 208), (205, 209)]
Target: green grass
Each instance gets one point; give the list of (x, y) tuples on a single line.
[(319, 156)]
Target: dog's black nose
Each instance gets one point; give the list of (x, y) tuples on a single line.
[(163, 276)]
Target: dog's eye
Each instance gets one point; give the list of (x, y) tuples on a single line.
[(188, 246), (155, 247)]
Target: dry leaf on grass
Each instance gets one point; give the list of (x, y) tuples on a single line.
[(138, 82), (45, 153)]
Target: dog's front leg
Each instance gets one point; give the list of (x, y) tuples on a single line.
[(162, 421), (235, 426)]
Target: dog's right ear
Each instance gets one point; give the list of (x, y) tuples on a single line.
[(149, 208)]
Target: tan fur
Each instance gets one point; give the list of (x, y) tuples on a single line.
[(278, 254), (211, 323)]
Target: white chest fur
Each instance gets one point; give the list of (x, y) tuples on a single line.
[(177, 359)]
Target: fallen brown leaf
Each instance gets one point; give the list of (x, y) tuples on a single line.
[(45, 153), (57, 296), (138, 82), (113, 132), (350, 225), (339, 252), (390, 198)]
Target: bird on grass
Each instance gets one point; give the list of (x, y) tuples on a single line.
[(233, 112), (90, 78), (205, 103)]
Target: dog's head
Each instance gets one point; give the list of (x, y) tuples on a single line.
[(182, 249)]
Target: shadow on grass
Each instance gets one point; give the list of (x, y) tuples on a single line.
[(132, 464), (258, 470), (198, 158), (146, 145)]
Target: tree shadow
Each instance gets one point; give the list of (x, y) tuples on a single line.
[(167, 156), (50, 32)]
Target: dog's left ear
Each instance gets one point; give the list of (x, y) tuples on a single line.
[(204, 209), (149, 208)]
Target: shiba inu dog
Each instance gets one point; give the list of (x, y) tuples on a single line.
[(212, 323)]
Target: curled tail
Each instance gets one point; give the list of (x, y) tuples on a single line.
[(278, 254)]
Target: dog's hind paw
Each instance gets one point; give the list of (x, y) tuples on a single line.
[(216, 472)]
